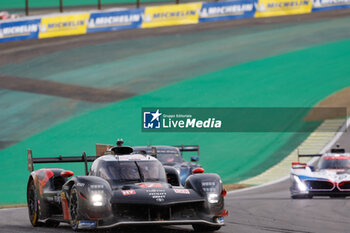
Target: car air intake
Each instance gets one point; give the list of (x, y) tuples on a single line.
[(319, 185), (139, 212), (345, 185)]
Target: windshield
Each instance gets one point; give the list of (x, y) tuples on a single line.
[(335, 162), (133, 171), (164, 155), (169, 157)]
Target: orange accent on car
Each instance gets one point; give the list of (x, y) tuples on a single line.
[(43, 177), (67, 173), (224, 193), (224, 213), (151, 185), (34, 218), (65, 210), (82, 196), (198, 170)]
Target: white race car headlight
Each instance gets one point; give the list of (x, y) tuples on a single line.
[(213, 198), (97, 199), (301, 185)]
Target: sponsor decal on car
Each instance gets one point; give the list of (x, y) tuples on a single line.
[(151, 185), (209, 186), (182, 191), (158, 194), (128, 192)]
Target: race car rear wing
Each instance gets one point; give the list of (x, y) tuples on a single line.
[(338, 150), (333, 150), (60, 159), (183, 148), (308, 155)]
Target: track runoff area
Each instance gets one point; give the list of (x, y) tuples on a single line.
[(265, 209)]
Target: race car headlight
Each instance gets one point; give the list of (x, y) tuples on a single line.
[(97, 199), (301, 185), (213, 198)]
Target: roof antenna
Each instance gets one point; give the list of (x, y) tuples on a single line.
[(120, 142)]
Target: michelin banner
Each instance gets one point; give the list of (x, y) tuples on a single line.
[(267, 8), (19, 30), (215, 11), (322, 5), (171, 15), (64, 25), (115, 20)]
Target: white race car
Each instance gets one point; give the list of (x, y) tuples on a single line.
[(331, 176)]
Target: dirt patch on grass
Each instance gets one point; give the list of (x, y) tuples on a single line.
[(333, 107), (4, 144), (338, 99), (62, 90), (230, 187)]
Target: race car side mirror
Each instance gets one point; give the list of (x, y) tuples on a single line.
[(198, 170), (312, 168), (194, 159), (67, 173)]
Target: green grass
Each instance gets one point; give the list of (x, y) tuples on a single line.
[(296, 79)]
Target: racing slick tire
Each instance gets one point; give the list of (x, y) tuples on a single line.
[(301, 196), (33, 208), (204, 228), (74, 208)]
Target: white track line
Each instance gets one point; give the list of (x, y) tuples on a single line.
[(13, 208)]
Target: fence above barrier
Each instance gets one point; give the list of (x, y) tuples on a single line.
[(156, 16)]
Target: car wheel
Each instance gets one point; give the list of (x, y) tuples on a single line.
[(205, 228), (32, 202), (73, 208)]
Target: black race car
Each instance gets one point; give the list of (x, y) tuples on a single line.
[(172, 156), (122, 188)]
